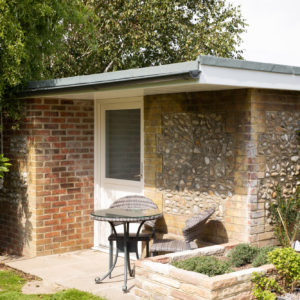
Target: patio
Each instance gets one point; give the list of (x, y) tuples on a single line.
[(77, 270)]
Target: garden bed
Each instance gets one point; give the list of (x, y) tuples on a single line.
[(156, 277)]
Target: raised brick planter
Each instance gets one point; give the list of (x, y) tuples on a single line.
[(156, 278)]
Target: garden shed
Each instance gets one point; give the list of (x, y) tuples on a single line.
[(192, 135)]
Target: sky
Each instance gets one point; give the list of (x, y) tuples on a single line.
[(273, 34)]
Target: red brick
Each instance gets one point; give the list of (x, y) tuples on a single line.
[(51, 210), (56, 129), (59, 227), (51, 187), (59, 180), (66, 114), (58, 192), (67, 243), (43, 229), (59, 239), (52, 198), (67, 220), (39, 107), (74, 214), (52, 234), (41, 132), (59, 157), (59, 169), (66, 197), (59, 216), (50, 113), (52, 139), (73, 191), (44, 217), (58, 120), (66, 126), (59, 203), (67, 208), (58, 107), (51, 222)]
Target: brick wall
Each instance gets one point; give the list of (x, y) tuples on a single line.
[(275, 119), (221, 175), (258, 123), (54, 163), (47, 197)]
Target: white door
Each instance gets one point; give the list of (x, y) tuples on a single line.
[(121, 156)]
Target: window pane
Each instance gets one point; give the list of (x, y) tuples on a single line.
[(123, 144)]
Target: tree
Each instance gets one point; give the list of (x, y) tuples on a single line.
[(127, 34), (41, 39), (31, 30)]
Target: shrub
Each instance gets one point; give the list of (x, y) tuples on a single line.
[(287, 264), (287, 276), (208, 265), (262, 256), (242, 254), (4, 165), (263, 287), (285, 215)]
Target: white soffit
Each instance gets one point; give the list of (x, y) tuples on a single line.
[(241, 78)]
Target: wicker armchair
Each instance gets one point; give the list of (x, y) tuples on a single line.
[(190, 232), (128, 202)]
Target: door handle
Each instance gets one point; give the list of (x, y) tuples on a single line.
[(138, 176), (141, 170)]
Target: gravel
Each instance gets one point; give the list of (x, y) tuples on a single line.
[(293, 296)]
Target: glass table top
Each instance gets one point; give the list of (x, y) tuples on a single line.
[(118, 213)]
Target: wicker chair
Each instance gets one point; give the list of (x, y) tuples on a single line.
[(128, 202), (190, 232)]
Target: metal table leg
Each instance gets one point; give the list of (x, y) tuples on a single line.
[(126, 253), (126, 260), (112, 266)]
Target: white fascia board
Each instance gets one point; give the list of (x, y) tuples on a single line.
[(248, 78)]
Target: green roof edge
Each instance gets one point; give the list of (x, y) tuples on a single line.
[(190, 68), (248, 65)]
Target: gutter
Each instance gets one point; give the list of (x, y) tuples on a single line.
[(127, 78)]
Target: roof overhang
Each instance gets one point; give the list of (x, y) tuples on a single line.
[(207, 73)]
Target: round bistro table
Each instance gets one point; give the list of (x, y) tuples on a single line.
[(125, 217)]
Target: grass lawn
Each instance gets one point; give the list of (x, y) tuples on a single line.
[(11, 283)]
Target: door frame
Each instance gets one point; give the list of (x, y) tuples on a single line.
[(98, 151)]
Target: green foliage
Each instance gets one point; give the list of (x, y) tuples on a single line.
[(11, 285), (287, 264), (242, 254), (73, 294), (129, 34), (4, 165), (30, 31), (262, 256), (42, 39), (74, 37), (10, 281), (285, 215), (263, 286), (208, 265), (8, 295), (287, 277)]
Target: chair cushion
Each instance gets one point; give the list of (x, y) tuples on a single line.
[(198, 218), (168, 245), (132, 236)]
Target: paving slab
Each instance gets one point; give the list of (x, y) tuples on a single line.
[(38, 287), (78, 270)]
